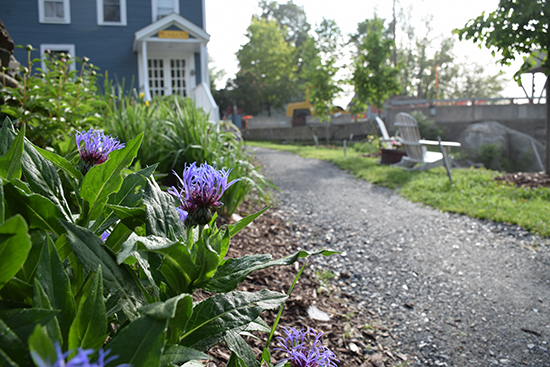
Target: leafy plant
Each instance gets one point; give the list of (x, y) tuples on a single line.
[(428, 129), (119, 270), (56, 101)]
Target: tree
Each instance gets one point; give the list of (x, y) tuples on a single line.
[(319, 70), (266, 65), (290, 17), (514, 28), (374, 78)]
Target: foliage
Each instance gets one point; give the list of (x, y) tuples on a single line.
[(290, 17), (319, 70), (56, 101), (60, 284), (176, 133), (370, 145), (428, 129), (420, 56), (266, 65), (474, 192), (515, 27), (374, 78), (493, 157)]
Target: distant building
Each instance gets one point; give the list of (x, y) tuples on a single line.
[(158, 45)]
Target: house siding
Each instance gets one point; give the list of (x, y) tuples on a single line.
[(108, 47)]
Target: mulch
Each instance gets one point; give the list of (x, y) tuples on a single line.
[(354, 337), (526, 179)]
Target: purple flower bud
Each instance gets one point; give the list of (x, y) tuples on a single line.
[(301, 353), (96, 149), (200, 192)]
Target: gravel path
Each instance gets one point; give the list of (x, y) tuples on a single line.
[(454, 291)]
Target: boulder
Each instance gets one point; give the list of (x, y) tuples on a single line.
[(515, 146)]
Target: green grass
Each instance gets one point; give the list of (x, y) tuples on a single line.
[(474, 192)]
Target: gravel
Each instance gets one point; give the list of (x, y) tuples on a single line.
[(452, 290)]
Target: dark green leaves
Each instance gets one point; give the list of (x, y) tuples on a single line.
[(214, 316), (91, 252), (89, 329), (162, 218), (10, 163), (104, 179), (15, 244)]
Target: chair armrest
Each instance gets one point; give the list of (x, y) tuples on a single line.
[(436, 143)]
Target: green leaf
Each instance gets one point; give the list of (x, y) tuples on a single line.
[(140, 343), (237, 227), (12, 347), (176, 355), (2, 207), (222, 312), (118, 236), (22, 321), (207, 259), (89, 329), (162, 218), (10, 162), (177, 266), (42, 177), (237, 345), (176, 310), (28, 270), (41, 300), (41, 347), (131, 217), (15, 244), (91, 252), (234, 271), (104, 179), (39, 211), (60, 162), (129, 195), (52, 276), (6, 361)]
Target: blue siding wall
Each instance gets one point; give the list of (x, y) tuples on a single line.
[(108, 47)]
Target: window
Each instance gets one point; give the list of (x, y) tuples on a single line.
[(162, 8), (56, 50), (111, 12), (54, 11)]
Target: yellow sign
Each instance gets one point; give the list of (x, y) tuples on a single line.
[(174, 34)]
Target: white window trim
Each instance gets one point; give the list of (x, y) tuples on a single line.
[(100, 19), (66, 12), (154, 8), (58, 47)]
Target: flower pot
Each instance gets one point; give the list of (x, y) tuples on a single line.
[(391, 156)]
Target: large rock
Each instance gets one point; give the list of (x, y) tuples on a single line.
[(515, 145)]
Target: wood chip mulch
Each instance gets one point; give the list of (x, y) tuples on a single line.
[(356, 338), (526, 179)]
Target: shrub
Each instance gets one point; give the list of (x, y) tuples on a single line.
[(55, 102), (428, 129)]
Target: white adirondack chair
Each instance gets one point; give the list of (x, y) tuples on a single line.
[(385, 136), (416, 147)]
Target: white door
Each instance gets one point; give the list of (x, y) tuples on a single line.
[(168, 75)]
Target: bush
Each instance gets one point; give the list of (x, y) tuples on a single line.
[(428, 129), (56, 102)]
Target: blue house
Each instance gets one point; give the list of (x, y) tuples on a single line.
[(159, 45)]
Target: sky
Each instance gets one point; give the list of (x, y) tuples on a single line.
[(227, 21)]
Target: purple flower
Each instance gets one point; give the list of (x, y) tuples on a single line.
[(104, 236), (301, 354), (81, 359), (96, 149), (200, 191)]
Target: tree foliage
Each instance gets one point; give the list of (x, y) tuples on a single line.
[(319, 71), (516, 27), (266, 65), (374, 78)]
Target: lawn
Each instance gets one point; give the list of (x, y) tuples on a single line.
[(473, 192)]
